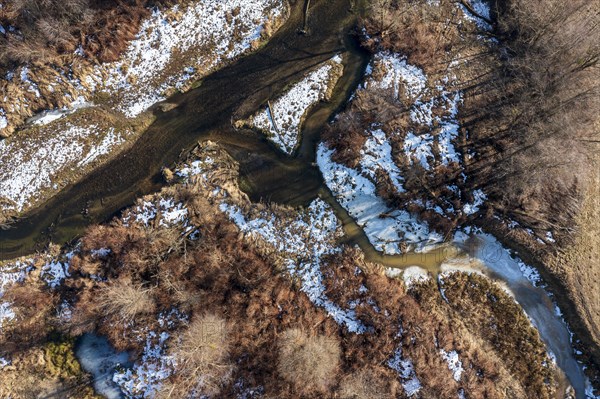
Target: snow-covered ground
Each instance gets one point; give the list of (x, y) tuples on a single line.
[(395, 73), (145, 378), (183, 43), (454, 363), (47, 117), (173, 47), (433, 112), (30, 163), (482, 8), (387, 229), (54, 272), (301, 238), (282, 121), (413, 275)]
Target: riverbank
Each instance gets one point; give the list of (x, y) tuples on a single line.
[(570, 269), (205, 113), (173, 48)]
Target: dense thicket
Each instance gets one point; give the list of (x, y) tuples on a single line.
[(44, 31), (531, 96), (537, 121)]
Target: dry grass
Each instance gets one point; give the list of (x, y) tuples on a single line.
[(48, 30), (309, 362), (368, 383), (578, 266), (425, 33), (203, 365), (126, 300)]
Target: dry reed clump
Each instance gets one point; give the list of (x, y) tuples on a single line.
[(368, 383), (309, 362), (425, 33), (202, 359), (126, 300)]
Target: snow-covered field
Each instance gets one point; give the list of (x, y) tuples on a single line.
[(282, 121), (29, 164), (183, 43)]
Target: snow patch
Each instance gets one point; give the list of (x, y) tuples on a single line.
[(395, 70), (54, 272), (29, 165), (414, 275), (282, 121), (387, 229), (478, 200), (454, 363), (6, 313), (198, 26), (406, 372), (482, 8)]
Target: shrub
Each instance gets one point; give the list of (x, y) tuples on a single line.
[(202, 357), (367, 383), (126, 299), (310, 363)]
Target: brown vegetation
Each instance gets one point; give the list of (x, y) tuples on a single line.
[(422, 31), (309, 362), (269, 334), (126, 300), (534, 121), (368, 383), (34, 309), (202, 359), (46, 31), (505, 326)]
